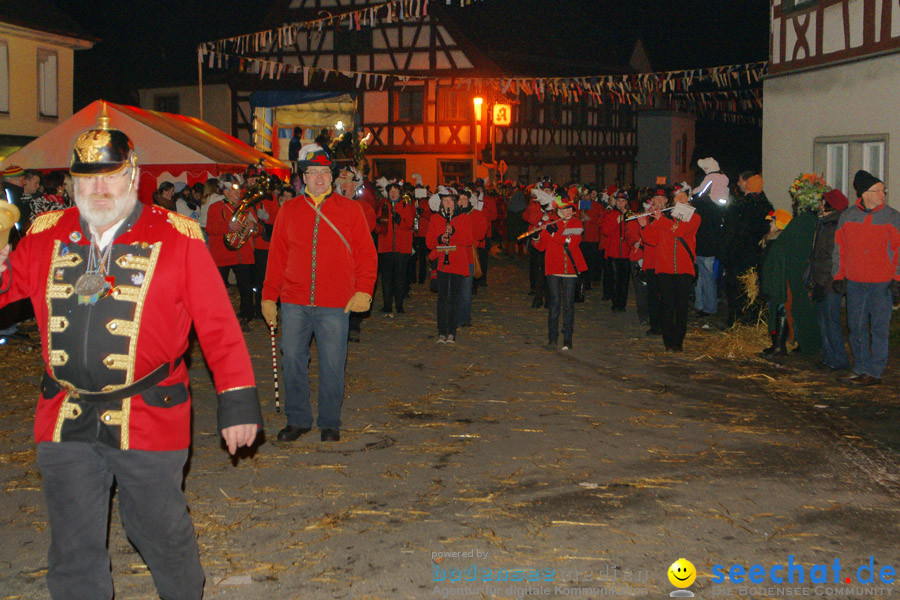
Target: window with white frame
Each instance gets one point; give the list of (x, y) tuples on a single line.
[(4, 77), (873, 158), (836, 166), (838, 158), (48, 67)]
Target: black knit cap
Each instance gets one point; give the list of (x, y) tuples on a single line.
[(862, 181)]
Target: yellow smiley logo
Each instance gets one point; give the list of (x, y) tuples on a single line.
[(682, 573)]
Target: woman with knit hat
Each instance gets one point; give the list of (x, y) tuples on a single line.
[(744, 226)]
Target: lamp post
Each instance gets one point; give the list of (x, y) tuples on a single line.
[(478, 103)]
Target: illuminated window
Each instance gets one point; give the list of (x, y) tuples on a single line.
[(453, 105)]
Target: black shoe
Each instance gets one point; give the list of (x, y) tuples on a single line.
[(331, 435), (291, 433), (353, 336)]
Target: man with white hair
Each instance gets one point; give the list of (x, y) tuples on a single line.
[(116, 286)]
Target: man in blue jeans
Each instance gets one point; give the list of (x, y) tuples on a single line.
[(322, 265), (866, 268)]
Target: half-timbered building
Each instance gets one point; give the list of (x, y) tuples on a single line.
[(832, 96), (427, 121)]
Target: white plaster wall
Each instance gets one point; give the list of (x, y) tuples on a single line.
[(858, 98)]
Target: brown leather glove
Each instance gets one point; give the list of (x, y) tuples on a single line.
[(359, 302), (269, 311)]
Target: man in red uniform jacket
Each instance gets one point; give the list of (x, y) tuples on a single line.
[(395, 240), (116, 286), (322, 266)]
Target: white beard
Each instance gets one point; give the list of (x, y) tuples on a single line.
[(100, 218)]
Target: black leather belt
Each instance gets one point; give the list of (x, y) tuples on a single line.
[(141, 385)]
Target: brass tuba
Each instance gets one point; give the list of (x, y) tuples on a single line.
[(243, 215)]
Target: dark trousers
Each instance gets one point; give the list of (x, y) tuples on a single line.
[(621, 269), (535, 266), (869, 322), (77, 479), (591, 253), (260, 259), (393, 278), (419, 260), (561, 293), (536, 273), (244, 276), (675, 295), (653, 300), (449, 288), (834, 353), (609, 276), (641, 299)]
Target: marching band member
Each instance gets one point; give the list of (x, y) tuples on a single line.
[(479, 230), (265, 212), (395, 238), (675, 242), (621, 236), (563, 262), (322, 266), (348, 185), (218, 225), (117, 286), (450, 241)]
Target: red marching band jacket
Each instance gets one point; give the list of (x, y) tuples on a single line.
[(309, 263), (217, 219), (461, 238), (424, 216), (396, 237), (620, 235), (594, 222), (649, 263), (556, 260), (162, 281), (671, 256)]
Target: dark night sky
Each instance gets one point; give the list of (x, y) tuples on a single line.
[(153, 42)]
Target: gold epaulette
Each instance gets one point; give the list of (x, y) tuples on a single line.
[(46, 221), (186, 226)]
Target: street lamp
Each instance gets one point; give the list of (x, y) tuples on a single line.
[(478, 101)]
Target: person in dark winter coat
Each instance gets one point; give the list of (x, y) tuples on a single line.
[(744, 226), (709, 242), (828, 304)]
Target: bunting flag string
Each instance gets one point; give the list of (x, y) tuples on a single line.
[(390, 11), (639, 85)]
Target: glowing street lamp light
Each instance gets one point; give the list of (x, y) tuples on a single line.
[(478, 101)]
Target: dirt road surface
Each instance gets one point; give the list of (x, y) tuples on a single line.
[(499, 468)]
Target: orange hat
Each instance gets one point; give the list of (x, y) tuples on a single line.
[(781, 218), (754, 185)]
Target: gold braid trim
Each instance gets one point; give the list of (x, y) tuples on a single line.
[(67, 410), (46, 221), (185, 226)]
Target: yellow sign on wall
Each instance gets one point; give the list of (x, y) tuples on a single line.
[(502, 115)]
